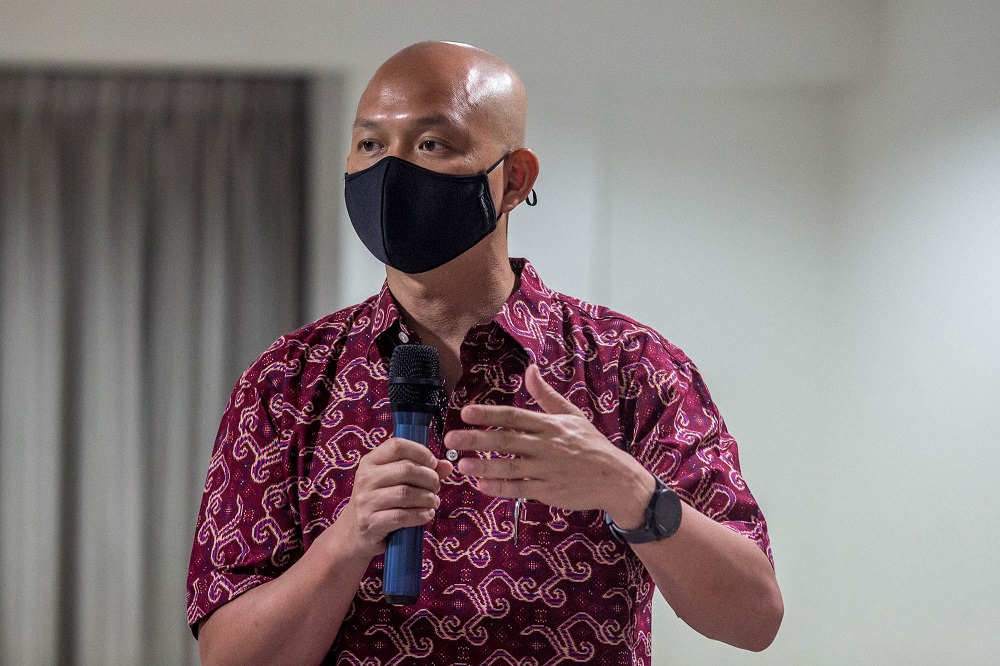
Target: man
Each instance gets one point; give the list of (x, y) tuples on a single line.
[(582, 456)]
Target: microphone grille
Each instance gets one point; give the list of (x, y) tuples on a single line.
[(419, 363)]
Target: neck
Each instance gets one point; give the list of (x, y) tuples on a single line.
[(443, 304)]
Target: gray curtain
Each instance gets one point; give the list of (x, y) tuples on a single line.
[(150, 247)]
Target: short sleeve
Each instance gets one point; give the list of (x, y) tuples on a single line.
[(248, 530), (680, 436)]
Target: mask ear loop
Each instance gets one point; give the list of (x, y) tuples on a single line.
[(531, 200), (497, 163)]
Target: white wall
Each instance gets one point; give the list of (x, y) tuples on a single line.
[(719, 227), (918, 401), (803, 196)]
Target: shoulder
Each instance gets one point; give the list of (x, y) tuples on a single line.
[(601, 327), (310, 350)]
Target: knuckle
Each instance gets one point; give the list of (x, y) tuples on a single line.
[(407, 517), (380, 454), (367, 460), (400, 494), (512, 468), (508, 417)]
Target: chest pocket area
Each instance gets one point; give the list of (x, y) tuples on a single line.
[(543, 525)]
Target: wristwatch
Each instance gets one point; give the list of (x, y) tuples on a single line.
[(663, 518)]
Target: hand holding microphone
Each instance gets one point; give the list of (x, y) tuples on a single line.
[(396, 484), (414, 390)]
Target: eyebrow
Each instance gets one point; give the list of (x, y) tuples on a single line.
[(423, 122)]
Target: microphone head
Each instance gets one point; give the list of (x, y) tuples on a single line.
[(414, 375)]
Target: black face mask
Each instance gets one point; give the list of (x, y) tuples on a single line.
[(415, 219)]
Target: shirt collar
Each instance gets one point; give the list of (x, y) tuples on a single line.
[(524, 316), (386, 324)]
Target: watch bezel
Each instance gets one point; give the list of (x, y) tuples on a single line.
[(667, 505), (664, 503)]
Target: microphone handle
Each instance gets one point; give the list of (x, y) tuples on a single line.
[(405, 547)]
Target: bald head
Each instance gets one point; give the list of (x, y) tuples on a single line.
[(452, 109), (465, 81)]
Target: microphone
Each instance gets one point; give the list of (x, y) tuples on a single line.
[(414, 389)]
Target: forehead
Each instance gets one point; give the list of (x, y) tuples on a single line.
[(399, 97), (403, 96)]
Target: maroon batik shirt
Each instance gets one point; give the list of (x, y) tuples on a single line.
[(303, 415)]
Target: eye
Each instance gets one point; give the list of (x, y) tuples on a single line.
[(368, 146), (431, 146)]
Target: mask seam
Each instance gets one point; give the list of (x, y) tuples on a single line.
[(382, 214)]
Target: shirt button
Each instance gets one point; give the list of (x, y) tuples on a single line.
[(403, 337), (451, 455)]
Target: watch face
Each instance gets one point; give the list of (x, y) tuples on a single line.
[(667, 513)]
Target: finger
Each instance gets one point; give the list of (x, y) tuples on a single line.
[(444, 469), (506, 417), (404, 473), (400, 497), (513, 488), (547, 397), (390, 520), (397, 448), (500, 441), (498, 468)]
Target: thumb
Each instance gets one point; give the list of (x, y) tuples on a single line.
[(547, 397), (443, 469)]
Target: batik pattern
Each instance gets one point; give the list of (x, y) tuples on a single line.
[(303, 415)]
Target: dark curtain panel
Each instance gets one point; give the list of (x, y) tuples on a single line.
[(150, 247)]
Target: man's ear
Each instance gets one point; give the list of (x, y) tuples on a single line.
[(520, 170)]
